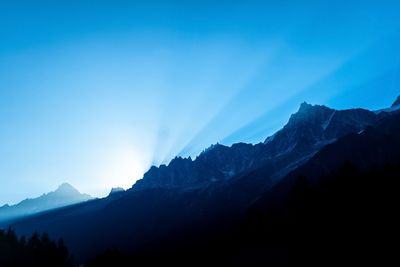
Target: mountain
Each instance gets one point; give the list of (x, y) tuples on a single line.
[(116, 192), (64, 195), (185, 197), (337, 207), (375, 147), (326, 212), (396, 103), (307, 131)]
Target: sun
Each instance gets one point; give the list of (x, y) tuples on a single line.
[(124, 168)]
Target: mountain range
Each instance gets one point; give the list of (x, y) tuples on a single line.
[(64, 195), (180, 201), (307, 131)]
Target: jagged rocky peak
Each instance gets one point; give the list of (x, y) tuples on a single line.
[(213, 150), (306, 108), (316, 125), (310, 114), (211, 147), (397, 102), (309, 129), (180, 159), (179, 162)]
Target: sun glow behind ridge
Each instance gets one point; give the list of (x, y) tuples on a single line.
[(98, 100)]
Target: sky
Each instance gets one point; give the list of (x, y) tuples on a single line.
[(95, 92)]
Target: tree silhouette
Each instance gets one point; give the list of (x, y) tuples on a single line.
[(38, 251)]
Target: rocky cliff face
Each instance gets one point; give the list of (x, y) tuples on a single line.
[(397, 102), (307, 131), (374, 148)]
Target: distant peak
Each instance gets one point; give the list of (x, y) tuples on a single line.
[(397, 102), (66, 187)]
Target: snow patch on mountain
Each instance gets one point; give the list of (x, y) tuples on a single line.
[(326, 124)]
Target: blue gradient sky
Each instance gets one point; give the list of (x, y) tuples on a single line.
[(94, 92)]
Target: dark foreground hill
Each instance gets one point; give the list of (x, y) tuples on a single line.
[(347, 219)]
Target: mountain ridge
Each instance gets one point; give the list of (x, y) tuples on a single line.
[(181, 198), (374, 147), (64, 195), (396, 103), (307, 130)]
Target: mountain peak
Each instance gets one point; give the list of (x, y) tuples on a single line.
[(211, 147), (116, 190), (397, 102), (305, 107), (66, 187), (308, 111), (64, 195)]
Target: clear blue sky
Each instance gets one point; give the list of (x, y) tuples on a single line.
[(94, 92)]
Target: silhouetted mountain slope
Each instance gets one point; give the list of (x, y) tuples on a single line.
[(63, 196), (325, 213), (376, 146), (397, 102), (347, 217), (177, 201)]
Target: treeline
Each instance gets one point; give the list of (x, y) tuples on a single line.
[(347, 218), (38, 250)]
